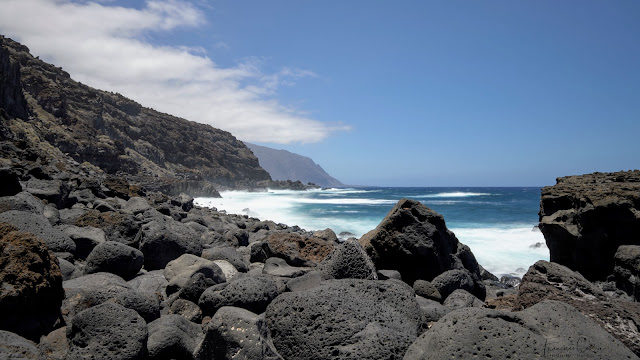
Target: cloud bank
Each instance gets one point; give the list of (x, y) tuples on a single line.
[(106, 47)]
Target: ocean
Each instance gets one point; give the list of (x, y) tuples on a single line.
[(498, 224)]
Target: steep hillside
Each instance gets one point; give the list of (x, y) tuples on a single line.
[(116, 134), (285, 165)]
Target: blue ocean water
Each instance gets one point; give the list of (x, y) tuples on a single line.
[(498, 224)]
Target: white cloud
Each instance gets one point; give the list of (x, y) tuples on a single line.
[(104, 46)]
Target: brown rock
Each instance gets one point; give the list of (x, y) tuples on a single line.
[(298, 250), (31, 280)]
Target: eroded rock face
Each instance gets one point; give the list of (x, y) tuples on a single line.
[(414, 240), (11, 97), (345, 319), (550, 330), (31, 292), (586, 218), (550, 281), (627, 269)]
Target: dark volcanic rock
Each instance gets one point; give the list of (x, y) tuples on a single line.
[(253, 293), (627, 269), (23, 202), (187, 309), (279, 267), (345, 319), (164, 240), (414, 240), (226, 253), (11, 96), (55, 345), (349, 260), (298, 250), (427, 290), (10, 183), (117, 226), (238, 334), (86, 238), (115, 258), (31, 292), (548, 330), (173, 337), (586, 218), (461, 299), (89, 290), (146, 304), (39, 226), (550, 281), (107, 331), (14, 346)]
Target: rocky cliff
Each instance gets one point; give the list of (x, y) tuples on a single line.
[(116, 134), (586, 218), (285, 165)]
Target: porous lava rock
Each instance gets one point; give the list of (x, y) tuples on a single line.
[(253, 293), (298, 250), (39, 226), (173, 337), (116, 258), (164, 240), (14, 346), (31, 292), (349, 260)]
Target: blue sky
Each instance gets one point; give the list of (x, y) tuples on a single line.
[(392, 93)]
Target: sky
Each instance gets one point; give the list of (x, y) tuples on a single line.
[(386, 93)]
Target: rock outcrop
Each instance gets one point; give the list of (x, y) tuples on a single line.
[(586, 218), (414, 240)]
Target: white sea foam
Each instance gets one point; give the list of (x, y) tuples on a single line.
[(346, 201), (455, 194)]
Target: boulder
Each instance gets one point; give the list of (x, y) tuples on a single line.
[(146, 304), (326, 235), (451, 280), (228, 254), (136, 205), (253, 293), (306, 281), (183, 201), (550, 330), (414, 240), (116, 258), (152, 281), (279, 267), (627, 269), (461, 299), (89, 290), (55, 345), (107, 331), (173, 337), (510, 281), (584, 219), (68, 270), (187, 309), (348, 260), (31, 280), (53, 191), (228, 270), (237, 237), (550, 281), (14, 346), (39, 226), (298, 250), (427, 290), (164, 240), (85, 238), (23, 201), (345, 319), (192, 269), (117, 226), (236, 334), (10, 182), (431, 311)]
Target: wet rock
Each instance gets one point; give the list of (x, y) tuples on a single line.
[(348, 260), (31, 281), (550, 329), (173, 337), (253, 293), (235, 333), (107, 331), (345, 319), (414, 240), (116, 258)]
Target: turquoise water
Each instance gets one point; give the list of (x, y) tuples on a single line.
[(498, 224)]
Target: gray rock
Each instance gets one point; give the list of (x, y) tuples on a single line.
[(23, 201), (152, 281), (238, 334), (486, 275), (348, 260), (326, 235), (306, 281), (164, 240), (226, 253), (54, 346), (510, 281), (14, 346), (431, 310), (116, 258), (183, 201), (279, 267), (181, 271), (550, 329), (136, 205), (389, 274), (146, 304), (228, 270), (451, 280), (89, 290), (237, 237), (427, 290), (103, 206), (173, 337), (53, 191), (69, 216), (253, 293), (345, 319), (186, 309), (39, 226), (627, 269), (52, 214), (107, 331), (461, 299), (68, 270), (85, 238)]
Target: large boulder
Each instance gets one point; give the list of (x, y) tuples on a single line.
[(85, 238), (627, 269), (192, 270), (116, 258), (31, 292), (253, 293), (349, 260), (345, 319), (173, 337), (414, 240), (90, 290), (53, 191), (298, 250), (23, 201), (14, 346), (39, 226), (550, 330), (550, 281), (236, 334), (107, 331), (226, 253), (117, 226), (163, 240), (584, 219)]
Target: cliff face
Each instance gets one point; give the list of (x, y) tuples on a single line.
[(118, 134), (586, 218), (285, 165)]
